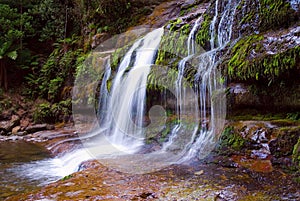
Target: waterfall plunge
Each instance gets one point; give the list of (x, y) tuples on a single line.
[(121, 134), (126, 104)]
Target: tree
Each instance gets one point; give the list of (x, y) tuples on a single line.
[(13, 27)]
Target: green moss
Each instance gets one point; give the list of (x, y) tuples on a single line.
[(231, 140), (242, 66), (187, 9), (284, 145), (160, 78), (203, 35), (275, 14), (296, 154), (174, 24), (272, 14), (238, 65), (117, 56), (67, 177)]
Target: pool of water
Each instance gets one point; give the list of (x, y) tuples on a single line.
[(20, 167)]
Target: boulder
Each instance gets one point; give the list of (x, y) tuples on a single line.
[(15, 121), (15, 130), (99, 38), (39, 127), (7, 126)]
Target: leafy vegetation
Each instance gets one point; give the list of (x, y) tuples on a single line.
[(45, 44), (52, 113), (14, 27), (203, 35), (248, 62), (231, 140)]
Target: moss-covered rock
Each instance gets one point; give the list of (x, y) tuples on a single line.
[(231, 141), (250, 61), (285, 139), (296, 154), (203, 35)]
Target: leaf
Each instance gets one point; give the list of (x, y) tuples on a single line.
[(13, 55), (199, 172)]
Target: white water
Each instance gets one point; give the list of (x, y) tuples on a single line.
[(295, 4), (185, 109), (126, 102), (209, 84), (123, 107)]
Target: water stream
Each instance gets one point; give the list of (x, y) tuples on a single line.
[(121, 132), (20, 167)]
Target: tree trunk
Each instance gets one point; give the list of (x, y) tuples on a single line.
[(3, 74)]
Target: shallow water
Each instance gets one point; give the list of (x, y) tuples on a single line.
[(19, 170)]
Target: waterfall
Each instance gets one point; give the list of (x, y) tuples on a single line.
[(203, 105), (182, 108), (295, 4), (209, 85), (126, 102), (200, 109)]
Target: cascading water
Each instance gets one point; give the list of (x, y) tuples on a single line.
[(124, 122), (182, 108), (209, 85), (122, 108), (295, 4)]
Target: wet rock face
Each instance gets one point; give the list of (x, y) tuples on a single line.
[(252, 96), (39, 127), (255, 141), (285, 140), (98, 39), (281, 41), (241, 96)]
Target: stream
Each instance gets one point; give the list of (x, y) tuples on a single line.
[(25, 166)]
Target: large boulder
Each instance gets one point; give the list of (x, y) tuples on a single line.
[(7, 126), (38, 127)]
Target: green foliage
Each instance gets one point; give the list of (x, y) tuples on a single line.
[(271, 14), (5, 104), (50, 19), (238, 64), (296, 154), (114, 9), (42, 113), (294, 116), (118, 55), (275, 14), (52, 113), (48, 82), (13, 26), (160, 79), (243, 66), (203, 35), (67, 177), (173, 44), (231, 140)]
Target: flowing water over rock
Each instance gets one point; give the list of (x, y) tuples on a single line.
[(121, 134)]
